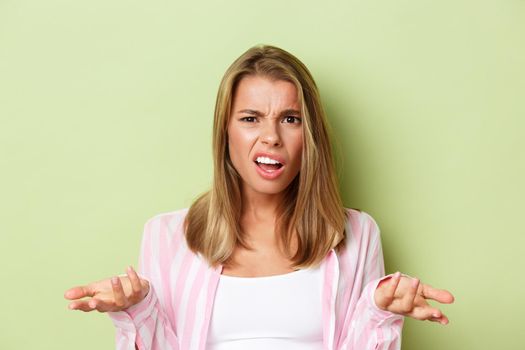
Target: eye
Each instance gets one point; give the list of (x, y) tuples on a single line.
[(292, 119), (247, 119)]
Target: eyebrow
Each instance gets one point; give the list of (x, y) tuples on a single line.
[(259, 114)]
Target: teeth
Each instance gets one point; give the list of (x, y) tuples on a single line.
[(266, 160)]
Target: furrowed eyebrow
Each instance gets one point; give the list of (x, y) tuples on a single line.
[(290, 111), (250, 111), (257, 113)]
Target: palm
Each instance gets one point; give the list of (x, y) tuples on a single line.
[(103, 291)]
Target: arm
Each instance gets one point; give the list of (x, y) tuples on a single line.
[(378, 317), (371, 327), (145, 326)]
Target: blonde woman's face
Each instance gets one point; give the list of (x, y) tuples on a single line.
[(265, 127)]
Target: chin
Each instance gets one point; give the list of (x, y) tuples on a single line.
[(268, 189), (271, 188)]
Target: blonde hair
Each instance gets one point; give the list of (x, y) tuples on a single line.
[(312, 209)]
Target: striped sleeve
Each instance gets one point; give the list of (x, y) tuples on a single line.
[(144, 326), (370, 327)]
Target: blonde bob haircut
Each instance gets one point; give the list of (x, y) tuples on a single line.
[(312, 210)]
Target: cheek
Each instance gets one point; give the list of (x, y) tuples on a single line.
[(238, 145), (242, 139), (232, 148), (297, 148)]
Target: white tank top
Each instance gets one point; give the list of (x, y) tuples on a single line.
[(281, 312)]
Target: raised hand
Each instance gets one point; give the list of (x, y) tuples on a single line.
[(111, 294), (408, 297)]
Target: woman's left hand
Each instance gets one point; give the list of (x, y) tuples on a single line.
[(406, 296)]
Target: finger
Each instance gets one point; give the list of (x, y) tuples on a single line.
[(407, 303), (82, 305), (101, 305), (391, 287), (385, 290), (440, 295), (441, 320), (79, 292), (444, 320), (426, 313), (136, 286), (118, 292)]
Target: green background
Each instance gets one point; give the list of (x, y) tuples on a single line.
[(106, 111)]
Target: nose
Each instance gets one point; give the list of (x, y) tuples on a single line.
[(270, 135)]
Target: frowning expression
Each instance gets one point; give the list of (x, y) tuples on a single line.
[(265, 136)]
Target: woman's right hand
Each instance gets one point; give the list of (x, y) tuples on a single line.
[(406, 296), (111, 294)]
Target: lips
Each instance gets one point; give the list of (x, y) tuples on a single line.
[(269, 172), (269, 167)]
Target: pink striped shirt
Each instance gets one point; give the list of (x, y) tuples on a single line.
[(176, 312)]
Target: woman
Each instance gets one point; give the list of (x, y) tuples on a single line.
[(269, 257)]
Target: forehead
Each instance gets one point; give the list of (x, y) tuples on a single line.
[(259, 90)]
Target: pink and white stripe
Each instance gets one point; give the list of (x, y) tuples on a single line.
[(175, 315)]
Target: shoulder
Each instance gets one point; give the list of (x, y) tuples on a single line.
[(360, 226), (167, 224), (176, 215)]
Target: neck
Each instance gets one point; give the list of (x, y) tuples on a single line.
[(260, 207), (259, 211)]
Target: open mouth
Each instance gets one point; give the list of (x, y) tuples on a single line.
[(269, 167)]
